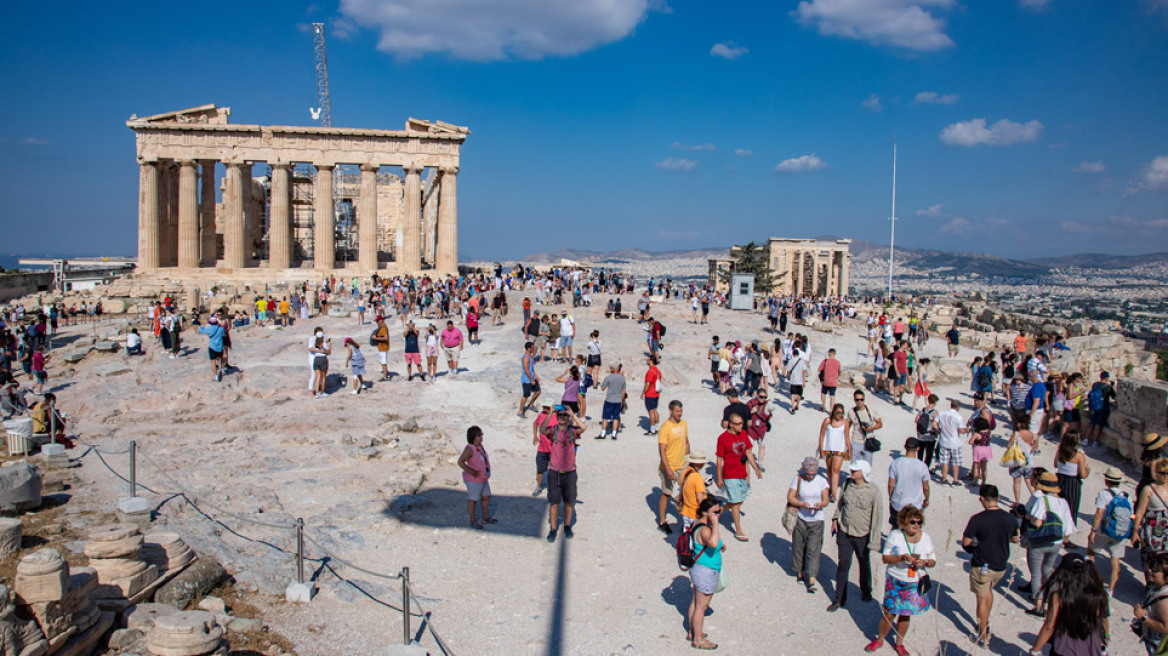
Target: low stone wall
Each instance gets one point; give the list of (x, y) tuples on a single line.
[(16, 285), (1141, 407)]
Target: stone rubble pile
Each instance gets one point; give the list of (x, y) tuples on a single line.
[(165, 551), (59, 603), (114, 553)]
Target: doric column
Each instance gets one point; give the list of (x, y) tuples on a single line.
[(323, 248), (411, 255), (163, 212), (367, 219), (797, 283), (446, 260), (208, 249), (279, 219), (171, 243), (188, 215), (251, 219), (148, 244), (233, 235)]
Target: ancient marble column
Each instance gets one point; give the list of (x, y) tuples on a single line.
[(797, 288), (188, 216), (279, 218), (170, 246), (250, 218), (323, 247), (411, 252), (446, 260), (233, 236), (148, 244), (367, 219), (844, 263), (208, 248), (163, 212)]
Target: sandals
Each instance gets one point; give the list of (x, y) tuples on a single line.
[(811, 589), (476, 525), (741, 538), (491, 520), (704, 645), (689, 636)]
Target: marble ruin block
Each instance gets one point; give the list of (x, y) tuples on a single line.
[(166, 551), (185, 633), (41, 576), (11, 532)]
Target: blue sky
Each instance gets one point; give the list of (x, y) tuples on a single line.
[(1025, 127)]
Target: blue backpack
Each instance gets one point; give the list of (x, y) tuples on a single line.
[(1095, 398), (1118, 517)]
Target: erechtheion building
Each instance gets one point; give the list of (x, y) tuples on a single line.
[(308, 210), (803, 267)]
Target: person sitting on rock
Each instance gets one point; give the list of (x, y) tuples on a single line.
[(46, 417)]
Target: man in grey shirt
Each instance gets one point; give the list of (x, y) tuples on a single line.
[(908, 482), (614, 396)]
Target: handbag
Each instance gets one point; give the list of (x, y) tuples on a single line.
[(1051, 530), (723, 580), (924, 584), (1014, 457), (791, 514), (871, 444)]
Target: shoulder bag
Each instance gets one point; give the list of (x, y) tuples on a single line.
[(791, 514)]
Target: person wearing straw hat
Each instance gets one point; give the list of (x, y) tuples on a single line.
[(1153, 445), (1042, 549), (1112, 524), (1151, 519), (693, 488)]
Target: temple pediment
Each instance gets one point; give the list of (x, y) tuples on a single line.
[(204, 114), (434, 127)]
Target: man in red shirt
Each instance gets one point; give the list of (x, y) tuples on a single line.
[(829, 373), (451, 339), (651, 394), (561, 473), (900, 363), (734, 452)]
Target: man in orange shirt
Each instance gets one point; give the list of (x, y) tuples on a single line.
[(1020, 344)]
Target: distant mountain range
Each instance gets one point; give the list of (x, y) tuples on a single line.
[(982, 264)]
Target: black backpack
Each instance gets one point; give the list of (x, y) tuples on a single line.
[(687, 551), (924, 422), (984, 377)]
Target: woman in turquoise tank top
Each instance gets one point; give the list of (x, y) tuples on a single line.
[(706, 570)]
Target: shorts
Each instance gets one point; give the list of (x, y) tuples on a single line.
[(736, 489), (981, 583), (476, 491), (714, 367), (953, 350), (1100, 417), (611, 411), (561, 486), (542, 458), (651, 402), (41, 376), (902, 379), (431, 350), (654, 346), (1112, 547), (1036, 421), (668, 487), (1020, 472), (593, 360), (705, 579), (950, 456), (263, 316), (829, 391), (414, 358), (320, 363), (530, 388), (796, 390), (358, 370), (213, 354), (1019, 416), (382, 357), (451, 352), (982, 453), (1072, 416), (565, 341), (828, 455), (574, 405)]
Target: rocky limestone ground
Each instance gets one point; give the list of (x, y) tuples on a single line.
[(373, 477)]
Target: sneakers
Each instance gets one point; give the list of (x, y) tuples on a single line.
[(664, 528), (601, 436), (356, 391), (900, 650), (552, 535), (536, 491), (873, 646), (568, 532)]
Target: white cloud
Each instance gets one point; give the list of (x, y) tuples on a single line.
[(934, 98), (1155, 175), (900, 23), (1156, 7), (957, 224), (36, 141), (696, 147), (1090, 167), (728, 50), (1002, 133), (803, 164), (676, 164), (743, 152), (872, 104), (487, 30), (1037, 5), (933, 210)]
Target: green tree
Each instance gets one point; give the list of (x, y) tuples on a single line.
[(752, 258)]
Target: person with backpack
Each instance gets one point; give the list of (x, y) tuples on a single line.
[(1046, 523), (701, 546), (1112, 524), (927, 430), (1099, 403)]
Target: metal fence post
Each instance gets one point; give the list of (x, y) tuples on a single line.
[(300, 550), (405, 574), (133, 468)]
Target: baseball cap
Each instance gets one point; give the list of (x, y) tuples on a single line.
[(861, 466)]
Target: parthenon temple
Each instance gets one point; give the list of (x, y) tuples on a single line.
[(802, 267), (324, 199)]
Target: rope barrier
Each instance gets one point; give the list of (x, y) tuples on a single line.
[(324, 561)]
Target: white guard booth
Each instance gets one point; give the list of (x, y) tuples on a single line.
[(742, 291)]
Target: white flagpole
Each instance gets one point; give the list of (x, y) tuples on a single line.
[(892, 239)]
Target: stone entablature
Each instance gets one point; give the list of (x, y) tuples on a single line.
[(180, 225)]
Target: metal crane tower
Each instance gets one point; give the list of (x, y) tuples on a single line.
[(322, 114)]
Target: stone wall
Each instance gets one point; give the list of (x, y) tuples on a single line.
[(15, 285), (1141, 407)]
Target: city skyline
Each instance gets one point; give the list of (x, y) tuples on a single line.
[(1025, 129)]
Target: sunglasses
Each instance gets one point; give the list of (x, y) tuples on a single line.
[(915, 522), (735, 423)]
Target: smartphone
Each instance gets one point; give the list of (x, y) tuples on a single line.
[(559, 407)]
